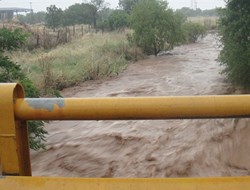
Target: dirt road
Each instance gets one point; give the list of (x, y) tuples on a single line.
[(151, 148)]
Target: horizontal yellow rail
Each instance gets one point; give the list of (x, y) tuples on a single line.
[(14, 149), (44, 183), (132, 108)]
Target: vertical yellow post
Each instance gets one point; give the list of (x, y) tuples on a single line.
[(14, 145)]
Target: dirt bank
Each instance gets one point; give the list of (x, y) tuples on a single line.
[(151, 148)]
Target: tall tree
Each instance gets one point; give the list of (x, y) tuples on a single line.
[(79, 14), (33, 18), (118, 19), (53, 17), (153, 25), (103, 16), (235, 36), (98, 6), (127, 5)]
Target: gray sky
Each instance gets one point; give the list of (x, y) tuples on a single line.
[(40, 5)]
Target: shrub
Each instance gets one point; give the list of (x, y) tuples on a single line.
[(11, 72), (234, 28), (118, 20), (193, 31), (153, 25)]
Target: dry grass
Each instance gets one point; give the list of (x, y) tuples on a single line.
[(94, 56), (39, 36), (208, 22)]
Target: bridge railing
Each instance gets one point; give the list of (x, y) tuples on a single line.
[(15, 110)]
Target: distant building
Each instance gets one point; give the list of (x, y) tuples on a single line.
[(8, 13)]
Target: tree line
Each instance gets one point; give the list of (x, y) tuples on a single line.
[(86, 13), (97, 14), (235, 37), (188, 12), (156, 27)]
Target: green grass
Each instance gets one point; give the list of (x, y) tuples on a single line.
[(92, 57)]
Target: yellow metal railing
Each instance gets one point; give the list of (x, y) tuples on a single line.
[(14, 147), (132, 108)]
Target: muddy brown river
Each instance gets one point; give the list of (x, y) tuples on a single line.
[(164, 148)]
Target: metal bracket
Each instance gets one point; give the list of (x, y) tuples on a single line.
[(14, 143)]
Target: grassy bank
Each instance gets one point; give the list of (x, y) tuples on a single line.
[(92, 57)]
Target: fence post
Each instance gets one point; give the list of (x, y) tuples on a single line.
[(44, 37), (37, 37), (14, 144), (74, 30)]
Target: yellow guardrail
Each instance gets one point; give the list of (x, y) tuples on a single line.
[(14, 147), (132, 108), (45, 183)]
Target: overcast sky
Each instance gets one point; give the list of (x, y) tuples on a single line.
[(40, 5)]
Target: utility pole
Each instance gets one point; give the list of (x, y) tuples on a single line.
[(32, 16), (195, 5), (31, 7), (192, 4)]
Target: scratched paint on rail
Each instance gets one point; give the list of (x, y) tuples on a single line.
[(45, 103)]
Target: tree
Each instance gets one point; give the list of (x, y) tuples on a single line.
[(153, 25), (33, 18), (79, 14), (235, 37), (118, 20), (193, 31), (211, 12), (127, 5), (99, 4), (177, 35), (105, 13), (11, 72), (53, 17), (103, 16), (197, 12), (188, 12)]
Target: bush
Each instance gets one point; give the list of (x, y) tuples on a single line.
[(153, 26), (11, 72), (118, 20), (234, 28), (193, 31)]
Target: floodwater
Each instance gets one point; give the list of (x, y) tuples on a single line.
[(165, 148)]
